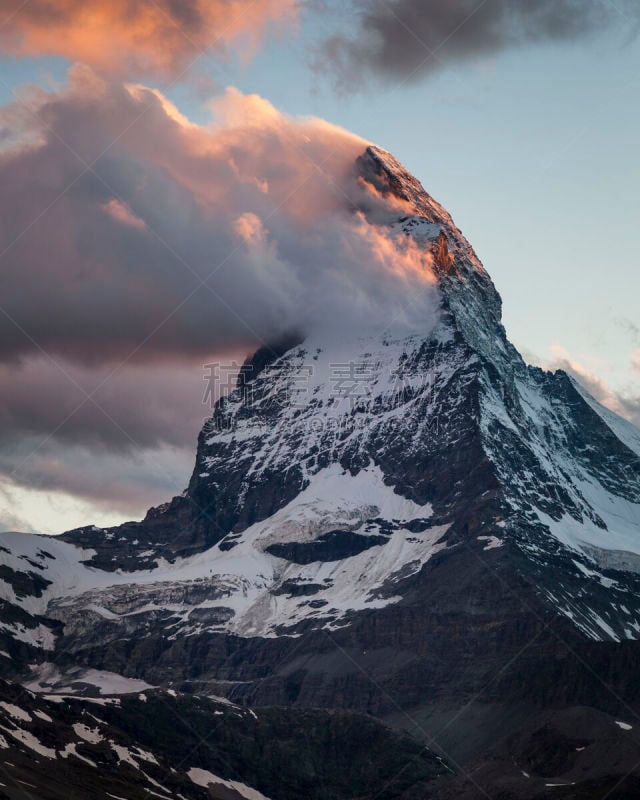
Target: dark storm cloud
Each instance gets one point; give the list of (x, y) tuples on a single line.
[(406, 39)]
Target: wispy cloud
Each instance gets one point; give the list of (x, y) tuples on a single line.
[(626, 404), (408, 39), (137, 37)]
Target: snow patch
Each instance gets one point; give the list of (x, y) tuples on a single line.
[(47, 677), (87, 734), (70, 750), (16, 712), (201, 777), (29, 740), (246, 583), (492, 542)]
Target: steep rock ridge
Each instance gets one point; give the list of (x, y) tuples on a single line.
[(394, 520), (567, 474), (469, 301)]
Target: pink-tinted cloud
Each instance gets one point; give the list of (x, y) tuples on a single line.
[(122, 213), (127, 231), (135, 242), (141, 37)]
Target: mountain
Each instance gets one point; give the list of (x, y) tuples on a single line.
[(158, 743), (411, 525)]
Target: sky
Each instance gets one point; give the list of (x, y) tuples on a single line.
[(524, 125)]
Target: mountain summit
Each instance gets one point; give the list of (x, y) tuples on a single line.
[(411, 523)]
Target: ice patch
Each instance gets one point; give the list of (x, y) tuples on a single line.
[(246, 583)]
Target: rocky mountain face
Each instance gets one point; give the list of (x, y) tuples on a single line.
[(412, 525), (161, 744)]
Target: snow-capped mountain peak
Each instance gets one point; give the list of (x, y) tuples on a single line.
[(353, 479)]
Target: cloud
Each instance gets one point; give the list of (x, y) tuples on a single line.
[(136, 37), (631, 329), (136, 246), (107, 481), (59, 488), (135, 406), (407, 39), (216, 237), (626, 404), (389, 39), (8, 520), (104, 441)]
